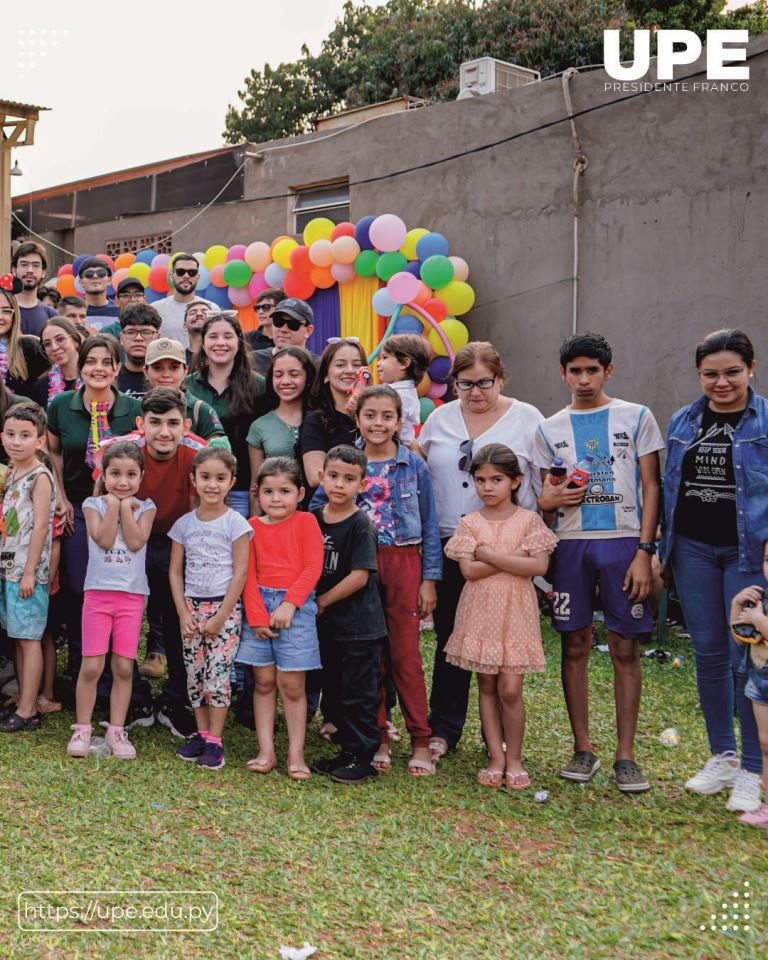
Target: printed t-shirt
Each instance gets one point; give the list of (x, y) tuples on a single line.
[(18, 521), (376, 499), (132, 383), (117, 568), (208, 563), (99, 317), (616, 435)]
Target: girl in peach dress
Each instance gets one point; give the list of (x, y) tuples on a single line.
[(496, 632)]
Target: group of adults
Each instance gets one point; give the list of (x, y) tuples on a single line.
[(270, 396)]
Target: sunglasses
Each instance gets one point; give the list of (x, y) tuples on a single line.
[(291, 322), (265, 306), (186, 271), (93, 273), (466, 450), (343, 340)]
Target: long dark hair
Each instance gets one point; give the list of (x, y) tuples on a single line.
[(732, 340), (321, 398), (271, 399), (500, 456), (242, 380)]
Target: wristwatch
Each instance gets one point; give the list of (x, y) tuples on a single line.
[(649, 548)]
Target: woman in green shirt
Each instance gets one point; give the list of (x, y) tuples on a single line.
[(276, 434), (77, 421)]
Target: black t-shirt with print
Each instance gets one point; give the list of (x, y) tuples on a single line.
[(350, 545), (133, 383), (706, 503)]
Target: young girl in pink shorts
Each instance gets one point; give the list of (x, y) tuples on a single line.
[(115, 589)]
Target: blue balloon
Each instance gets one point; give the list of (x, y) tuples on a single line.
[(406, 323), (440, 369), (111, 292), (145, 256), (153, 295), (203, 279), (219, 296), (413, 267), (362, 228), (382, 303), (79, 261), (432, 245)]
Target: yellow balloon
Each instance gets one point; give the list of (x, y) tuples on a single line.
[(140, 272), (282, 253), (426, 383), (408, 249), (320, 228), (214, 255), (458, 297), (455, 331)]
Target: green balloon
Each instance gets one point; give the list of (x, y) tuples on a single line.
[(437, 272), (389, 264), (237, 273), (426, 406), (365, 263)]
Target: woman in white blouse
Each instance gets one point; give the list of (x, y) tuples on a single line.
[(448, 440)]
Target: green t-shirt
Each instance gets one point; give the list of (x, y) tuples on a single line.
[(274, 436), (71, 423), (205, 420)]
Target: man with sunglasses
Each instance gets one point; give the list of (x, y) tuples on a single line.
[(292, 327), (95, 275), (185, 273), (139, 325), (29, 265), (266, 301)]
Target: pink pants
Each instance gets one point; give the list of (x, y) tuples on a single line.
[(112, 613)]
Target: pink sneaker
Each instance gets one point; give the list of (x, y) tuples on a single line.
[(80, 740), (756, 818), (117, 740)]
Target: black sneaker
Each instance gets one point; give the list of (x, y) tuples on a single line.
[(193, 749), (357, 771), (327, 765), (139, 715), (179, 721), (212, 758)]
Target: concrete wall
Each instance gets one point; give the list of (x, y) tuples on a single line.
[(672, 227)]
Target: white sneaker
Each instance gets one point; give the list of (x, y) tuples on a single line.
[(718, 772), (745, 795)]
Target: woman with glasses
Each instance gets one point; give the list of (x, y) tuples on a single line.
[(223, 378), (714, 524), (480, 415), (330, 422), (61, 342), (21, 360)]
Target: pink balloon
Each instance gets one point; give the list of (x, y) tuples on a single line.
[(258, 256), (237, 252), (345, 249), (321, 253), (460, 268), (256, 284), (402, 287), (240, 296), (387, 233), (436, 390), (119, 275), (161, 260), (343, 272)]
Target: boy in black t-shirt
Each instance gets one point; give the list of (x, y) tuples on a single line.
[(351, 621)]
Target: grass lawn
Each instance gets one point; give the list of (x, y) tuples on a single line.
[(434, 868)]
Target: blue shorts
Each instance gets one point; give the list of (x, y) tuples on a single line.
[(23, 619), (295, 649), (580, 565), (756, 688)]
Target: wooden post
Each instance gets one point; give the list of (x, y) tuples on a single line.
[(5, 208)]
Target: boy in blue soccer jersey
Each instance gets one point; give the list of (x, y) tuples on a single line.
[(606, 527)]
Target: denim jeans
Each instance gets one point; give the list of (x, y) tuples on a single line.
[(707, 579)]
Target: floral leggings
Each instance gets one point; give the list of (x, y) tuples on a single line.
[(209, 659)]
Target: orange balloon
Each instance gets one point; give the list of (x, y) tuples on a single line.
[(217, 275), (423, 294), (247, 317), (66, 285), (423, 387), (322, 277), (124, 261)]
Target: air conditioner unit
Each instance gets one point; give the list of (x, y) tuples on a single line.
[(487, 75)]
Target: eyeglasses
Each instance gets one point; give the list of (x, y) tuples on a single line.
[(30, 264), (265, 306), (466, 460), (95, 273), (55, 342), (6, 311), (733, 374), (143, 333), (291, 322), (131, 295), (186, 271), (484, 384), (343, 340)]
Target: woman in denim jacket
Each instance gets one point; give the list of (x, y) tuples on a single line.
[(714, 521)]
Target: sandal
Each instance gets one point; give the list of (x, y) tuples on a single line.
[(261, 766), (415, 766), (439, 748), (13, 723), (517, 781), (381, 761), (44, 705), (299, 771), (490, 778)]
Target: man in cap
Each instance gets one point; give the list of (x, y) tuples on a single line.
[(129, 291), (292, 327)]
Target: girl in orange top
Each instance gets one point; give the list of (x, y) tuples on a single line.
[(280, 639)]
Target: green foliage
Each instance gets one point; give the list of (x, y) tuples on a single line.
[(696, 15), (753, 17)]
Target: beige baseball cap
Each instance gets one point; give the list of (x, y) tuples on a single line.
[(165, 349)]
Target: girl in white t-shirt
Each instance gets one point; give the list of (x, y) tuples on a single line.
[(208, 567), (403, 361), (115, 589)]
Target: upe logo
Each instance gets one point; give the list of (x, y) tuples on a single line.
[(718, 54)]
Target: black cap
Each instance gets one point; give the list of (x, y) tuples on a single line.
[(129, 282), (293, 307)]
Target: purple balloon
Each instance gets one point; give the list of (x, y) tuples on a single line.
[(440, 369), (362, 235), (78, 261), (413, 267)]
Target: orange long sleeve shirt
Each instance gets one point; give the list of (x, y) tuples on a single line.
[(285, 556)]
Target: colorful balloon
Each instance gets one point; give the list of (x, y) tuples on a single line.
[(256, 284), (456, 333), (436, 309), (236, 274), (426, 406), (105, 258), (158, 279), (389, 264), (408, 249), (119, 275), (217, 276), (298, 285), (321, 253), (281, 252), (382, 303), (343, 229), (436, 390), (274, 275), (319, 228), (161, 260), (437, 272), (460, 268), (439, 370), (140, 270), (345, 249), (423, 387), (66, 270), (203, 278), (236, 252), (66, 285), (283, 236), (322, 277), (343, 272), (387, 233), (239, 296), (123, 261), (365, 263), (215, 255), (79, 261), (406, 323), (362, 228), (300, 261), (219, 295), (145, 256), (402, 288), (457, 296), (422, 295), (431, 245), (258, 256)]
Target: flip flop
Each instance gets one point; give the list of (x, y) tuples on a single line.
[(439, 748), (261, 766), (415, 765), (490, 778), (517, 781), (299, 771), (381, 761)]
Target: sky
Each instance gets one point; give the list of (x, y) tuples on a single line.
[(134, 83)]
